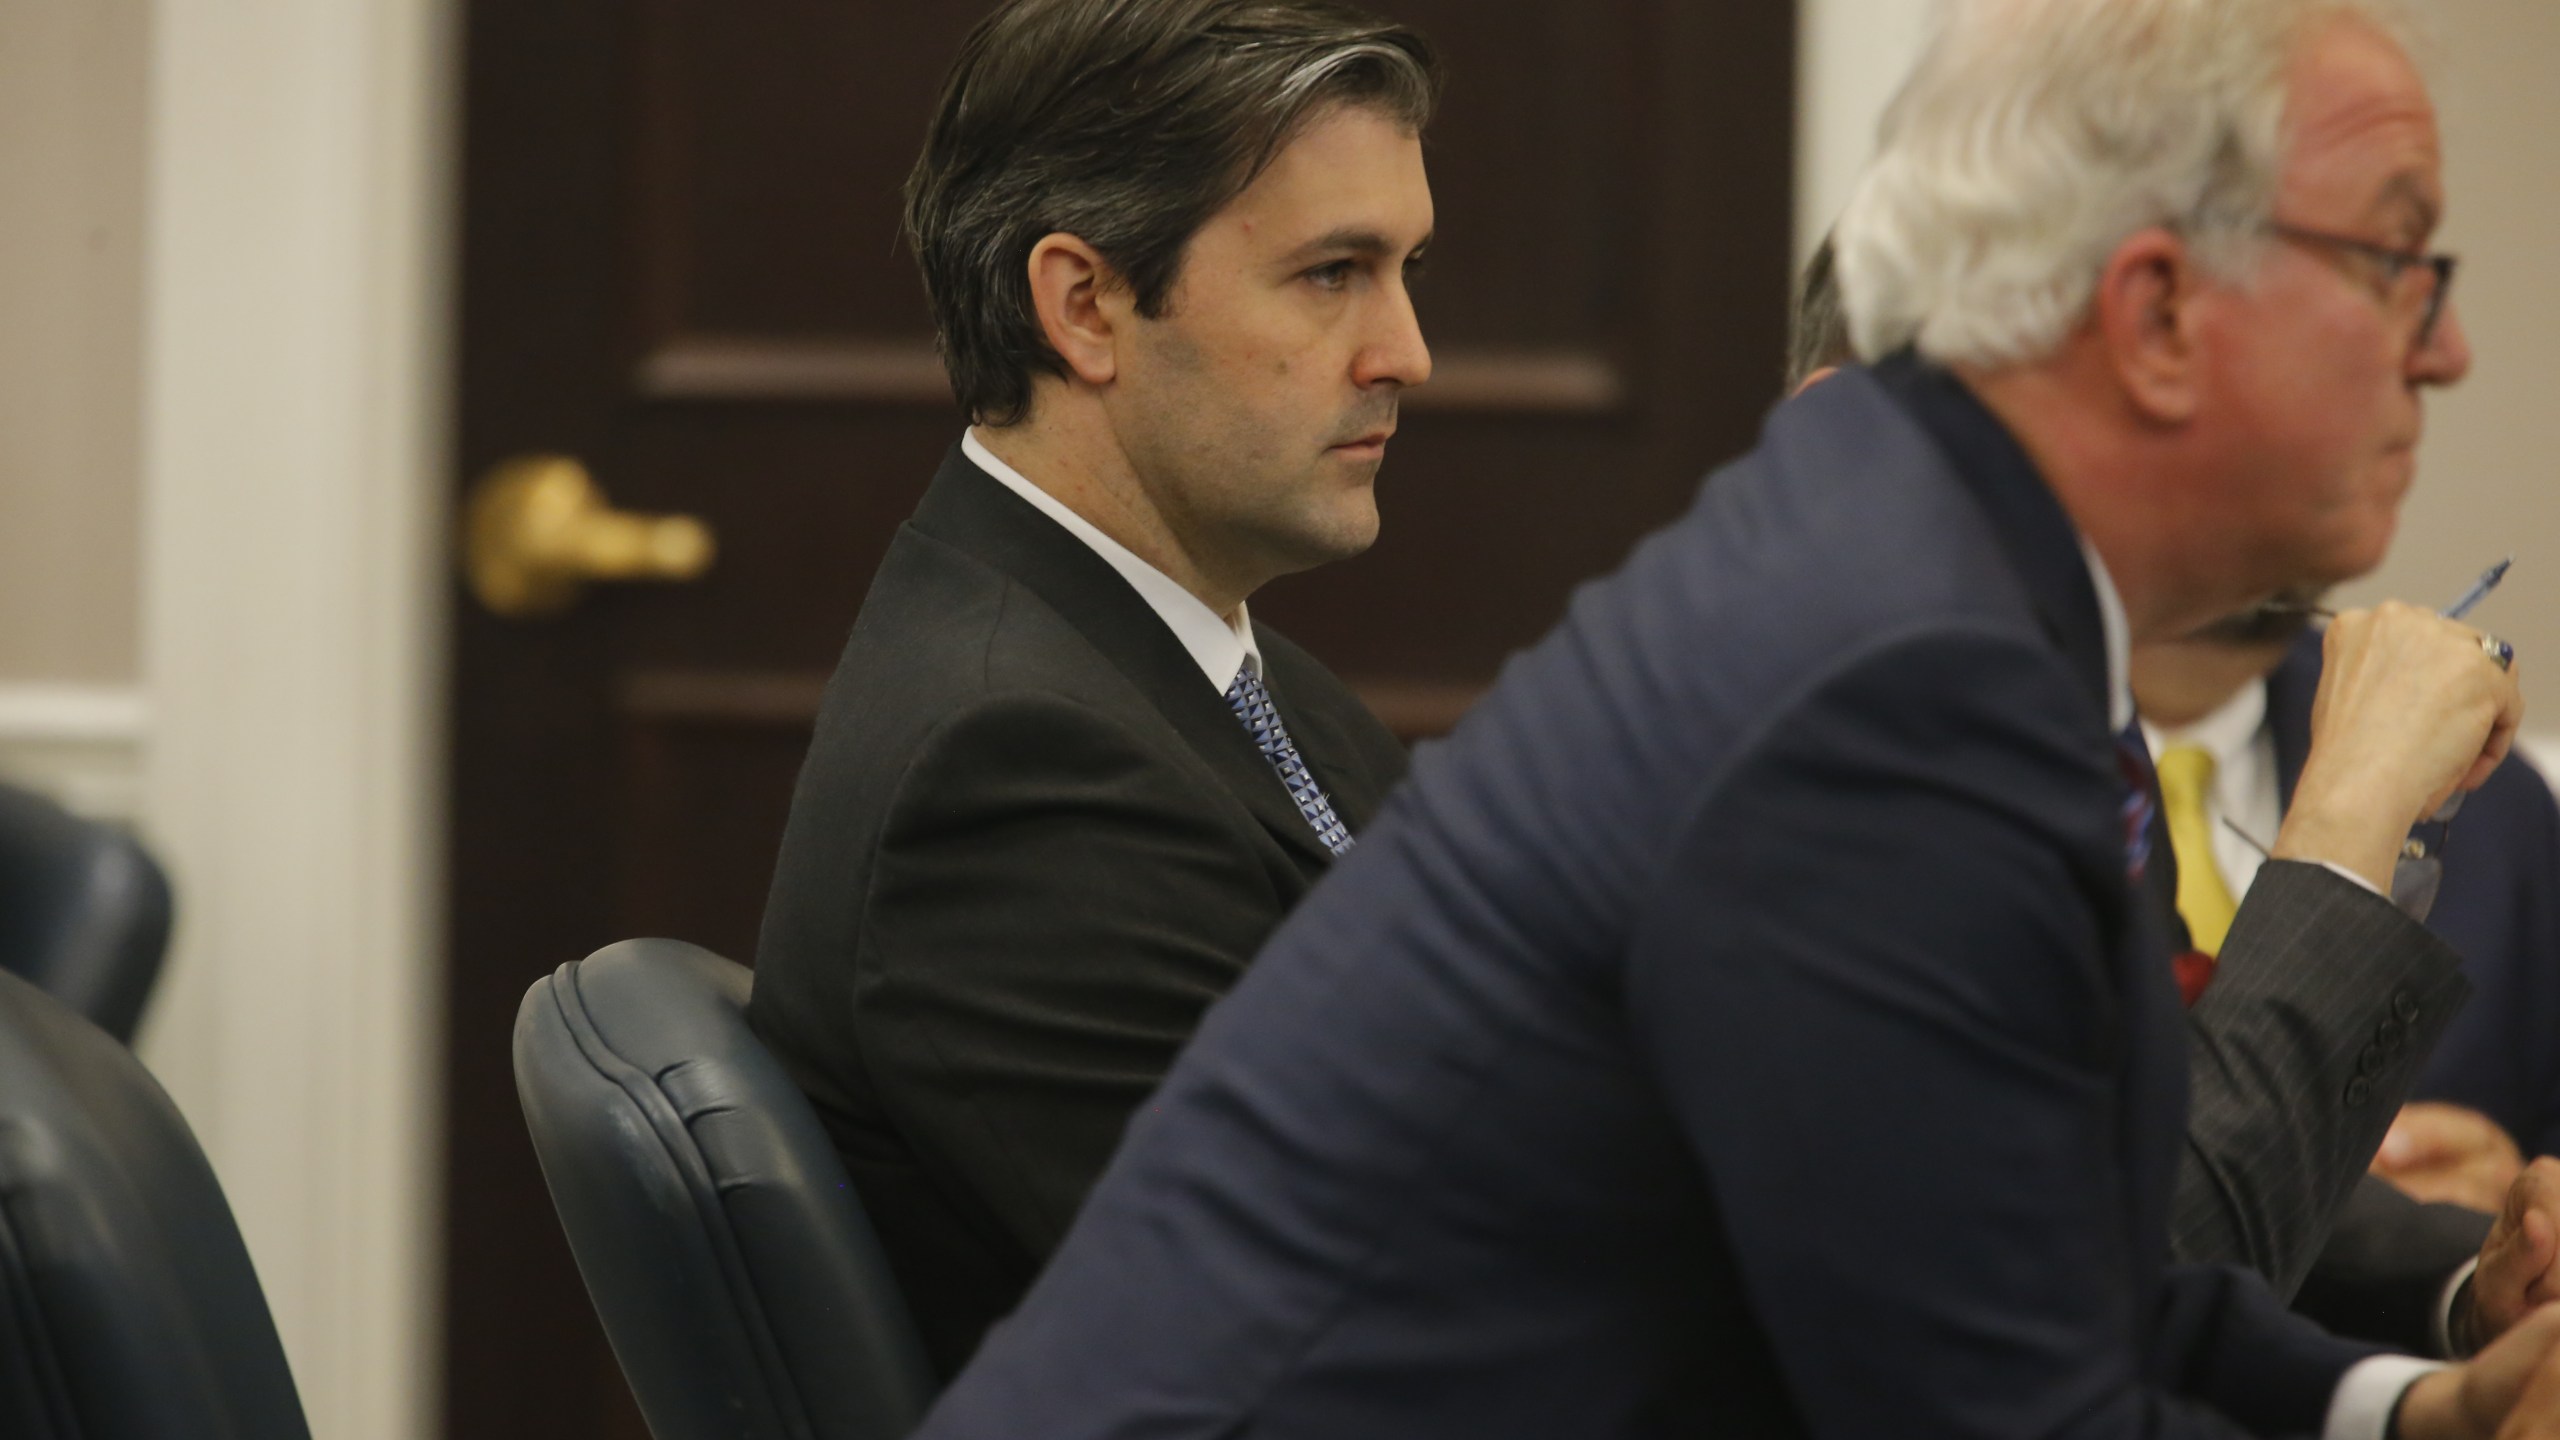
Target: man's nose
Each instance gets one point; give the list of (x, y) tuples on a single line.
[(2446, 357), (1397, 354)]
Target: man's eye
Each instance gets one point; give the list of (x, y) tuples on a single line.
[(1331, 277)]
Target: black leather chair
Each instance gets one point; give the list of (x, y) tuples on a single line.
[(84, 910), (128, 1308), (734, 1270)]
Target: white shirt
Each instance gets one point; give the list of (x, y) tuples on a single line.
[(2119, 635), (1219, 646), (2360, 1408), (2245, 784), (2246, 789)]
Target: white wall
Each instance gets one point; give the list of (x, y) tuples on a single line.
[(72, 146), (71, 169), (2489, 474), (1850, 57), (223, 254), (296, 298)]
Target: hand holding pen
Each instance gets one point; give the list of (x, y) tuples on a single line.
[(2406, 718), (2495, 648)]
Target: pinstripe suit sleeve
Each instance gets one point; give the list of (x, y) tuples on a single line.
[(2325, 1005)]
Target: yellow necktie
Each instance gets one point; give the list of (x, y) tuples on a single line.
[(2186, 773)]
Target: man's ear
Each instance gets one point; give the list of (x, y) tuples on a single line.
[(1072, 288), (2146, 315)]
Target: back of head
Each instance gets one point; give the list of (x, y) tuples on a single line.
[(1127, 123), (2036, 135), (1818, 332)]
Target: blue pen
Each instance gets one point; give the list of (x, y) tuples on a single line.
[(2489, 579)]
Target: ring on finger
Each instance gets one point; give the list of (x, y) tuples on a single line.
[(2500, 653)]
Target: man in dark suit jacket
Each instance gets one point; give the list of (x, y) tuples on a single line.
[(2275, 1174), (1063, 785), (1747, 1023), (2398, 1265)]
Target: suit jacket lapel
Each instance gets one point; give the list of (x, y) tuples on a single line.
[(2042, 546), (2043, 549), (970, 509)]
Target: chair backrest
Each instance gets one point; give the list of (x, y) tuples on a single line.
[(737, 1277), (128, 1307), (84, 910)]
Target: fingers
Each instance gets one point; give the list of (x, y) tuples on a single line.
[(2338, 655), (2505, 1381), (2450, 1153), (2473, 1187), (2410, 711), (2518, 1260), (2407, 1144), (2541, 1255), (2535, 1415), (2429, 1132), (2508, 695)]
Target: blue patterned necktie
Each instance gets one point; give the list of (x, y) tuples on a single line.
[(1252, 704)]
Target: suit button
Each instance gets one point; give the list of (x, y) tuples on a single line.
[(2359, 1090), (2392, 1036), (2371, 1060), (2405, 1005)]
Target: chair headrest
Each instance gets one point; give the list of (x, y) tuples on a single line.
[(84, 910), (138, 1310), (715, 1227)]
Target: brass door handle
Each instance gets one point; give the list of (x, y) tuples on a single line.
[(538, 530)]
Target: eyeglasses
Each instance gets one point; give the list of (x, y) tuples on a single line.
[(2395, 266)]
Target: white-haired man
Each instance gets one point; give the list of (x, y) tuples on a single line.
[(2451, 1238), (1749, 1022)]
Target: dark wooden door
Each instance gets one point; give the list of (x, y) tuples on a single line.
[(681, 265)]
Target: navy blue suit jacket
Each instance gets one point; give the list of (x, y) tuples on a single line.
[(1742, 1025), (2499, 907)]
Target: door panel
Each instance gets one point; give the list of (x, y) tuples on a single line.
[(682, 265)]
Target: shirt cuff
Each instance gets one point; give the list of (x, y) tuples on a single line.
[(2360, 1408), (2441, 1327), (2361, 883)]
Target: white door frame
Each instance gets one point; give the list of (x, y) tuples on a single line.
[(297, 287)]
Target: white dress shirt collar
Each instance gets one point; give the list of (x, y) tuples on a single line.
[(1218, 646), (2247, 789), (2227, 734), (2119, 633)]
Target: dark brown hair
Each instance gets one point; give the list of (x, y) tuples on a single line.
[(1128, 124), (1818, 337)]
